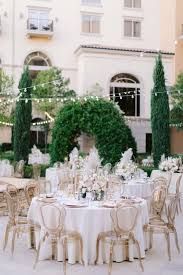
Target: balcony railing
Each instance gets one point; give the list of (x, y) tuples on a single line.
[(39, 28)]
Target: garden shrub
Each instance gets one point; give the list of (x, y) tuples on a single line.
[(96, 117)]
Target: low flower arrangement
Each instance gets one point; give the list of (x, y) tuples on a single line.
[(96, 191), (171, 164), (126, 171)]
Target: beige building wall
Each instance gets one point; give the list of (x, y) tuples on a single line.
[(179, 37), (168, 26)]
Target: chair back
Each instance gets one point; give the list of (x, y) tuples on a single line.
[(5, 162), (44, 186), (107, 168), (19, 169), (124, 218), (174, 187), (58, 164), (159, 181), (172, 210), (52, 218), (31, 190), (158, 199), (11, 195)]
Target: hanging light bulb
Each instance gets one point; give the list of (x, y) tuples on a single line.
[(34, 88), (25, 90)]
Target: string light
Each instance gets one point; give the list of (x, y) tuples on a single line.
[(55, 81)]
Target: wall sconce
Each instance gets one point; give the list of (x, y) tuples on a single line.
[(5, 14), (56, 19)]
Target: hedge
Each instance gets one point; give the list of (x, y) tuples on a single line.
[(96, 117)]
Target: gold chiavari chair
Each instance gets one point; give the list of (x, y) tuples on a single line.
[(158, 181), (44, 186), (19, 169), (31, 190), (54, 230), (156, 220), (176, 194), (123, 232), (166, 228), (3, 204), (15, 224)]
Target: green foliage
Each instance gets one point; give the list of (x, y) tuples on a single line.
[(98, 118), (159, 114), (22, 121), (56, 86), (176, 113), (148, 170), (7, 155), (28, 171), (6, 84)]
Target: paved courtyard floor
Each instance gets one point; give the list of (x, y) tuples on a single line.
[(156, 262)]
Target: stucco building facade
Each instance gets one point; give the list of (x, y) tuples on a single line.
[(111, 43)]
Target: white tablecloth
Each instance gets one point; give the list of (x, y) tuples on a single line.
[(89, 222), (139, 188), (174, 177), (6, 170)]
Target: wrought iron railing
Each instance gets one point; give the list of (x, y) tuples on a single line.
[(43, 25)]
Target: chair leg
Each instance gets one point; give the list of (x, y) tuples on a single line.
[(81, 249), (13, 241), (150, 239), (176, 240), (64, 256), (6, 237), (180, 205), (38, 251), (139, 254), (110, 257), (97, 249), (167, 236)]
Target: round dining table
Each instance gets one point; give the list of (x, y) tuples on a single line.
[(89, 221), (138, 187)]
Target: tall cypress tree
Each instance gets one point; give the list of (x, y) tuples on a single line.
[(159, 114), (23, 116)]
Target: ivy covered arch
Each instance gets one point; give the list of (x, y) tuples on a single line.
[(96, 117)]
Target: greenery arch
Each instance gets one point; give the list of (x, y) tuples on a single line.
[(97, 117)]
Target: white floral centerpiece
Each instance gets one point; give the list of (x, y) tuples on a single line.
[(92, 186), (170, 164), (126, 168), (148, 162)]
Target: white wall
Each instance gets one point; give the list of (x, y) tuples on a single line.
[(100, 68), (67, 32)]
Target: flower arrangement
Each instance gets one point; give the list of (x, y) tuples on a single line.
[(171, 164), (126, 171), (148, 162), (93, 187), (126, 168)]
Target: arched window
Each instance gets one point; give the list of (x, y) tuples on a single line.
[(125, 90), (37, 61), (38, 135)]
